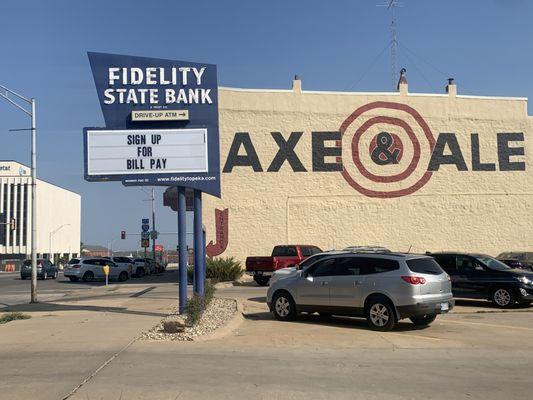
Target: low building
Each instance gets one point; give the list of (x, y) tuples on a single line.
[(409, 171), (58, 217), (90, 250)]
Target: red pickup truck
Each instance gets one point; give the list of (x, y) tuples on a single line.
[(283, 256)]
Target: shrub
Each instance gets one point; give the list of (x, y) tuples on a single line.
[(196, 305), (223, 269), (220, 270), (13, 317)]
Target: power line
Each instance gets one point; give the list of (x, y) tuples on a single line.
[(374, 61)]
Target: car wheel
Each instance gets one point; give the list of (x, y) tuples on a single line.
[(55, 275), (88, 276), (45, 276), (261, 280), (380, 315), (503, 297), (283, 306), (123, 276), (423, 320), (73, 278)]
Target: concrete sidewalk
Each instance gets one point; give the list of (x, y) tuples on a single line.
[(66, 341)]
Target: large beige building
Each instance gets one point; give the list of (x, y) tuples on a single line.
[(58, 216), (402, 170)]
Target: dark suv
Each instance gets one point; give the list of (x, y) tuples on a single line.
[(517, 259), (480, 276)]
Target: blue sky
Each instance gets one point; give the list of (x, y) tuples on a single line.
[(333, 45)]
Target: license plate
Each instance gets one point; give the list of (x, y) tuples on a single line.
[(444, 306)]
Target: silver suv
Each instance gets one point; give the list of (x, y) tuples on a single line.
[(383, 288)]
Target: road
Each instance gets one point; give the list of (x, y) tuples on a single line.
[(475, 352), (14, 290)]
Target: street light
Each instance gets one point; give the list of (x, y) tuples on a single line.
[(31, 114), (50, 238)]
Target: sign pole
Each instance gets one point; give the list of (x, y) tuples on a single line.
[(198, 244), (182, 249), (153, 227)]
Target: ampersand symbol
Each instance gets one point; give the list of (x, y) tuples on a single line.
[(384, 142)]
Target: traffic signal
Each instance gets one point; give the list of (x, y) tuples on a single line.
[(13, 224), (123, 234)]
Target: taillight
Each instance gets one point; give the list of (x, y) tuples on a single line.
[(76, 266), (414, 280)]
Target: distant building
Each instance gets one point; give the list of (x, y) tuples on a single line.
[(58, 216), (94, 251)]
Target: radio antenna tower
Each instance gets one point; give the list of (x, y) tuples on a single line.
[(391, 6)]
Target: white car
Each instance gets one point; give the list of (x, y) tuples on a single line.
[(91, 269)]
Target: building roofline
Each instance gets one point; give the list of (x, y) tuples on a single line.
[(29, 176), (463, 96)]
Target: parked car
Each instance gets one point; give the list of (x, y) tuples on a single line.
[(150, 265), (45, 269), (91, 269), (479, 276), (141, 267), (285, 272), (382, 287), (125, 262), (517, 259), (283, 256), (368, 249)]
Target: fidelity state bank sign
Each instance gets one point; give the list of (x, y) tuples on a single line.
[(161, 120)]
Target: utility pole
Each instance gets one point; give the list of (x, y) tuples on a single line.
[(152, 199), (31, 114)]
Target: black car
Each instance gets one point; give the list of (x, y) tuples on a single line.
[(45, 269), (517, 259), (480, 276)]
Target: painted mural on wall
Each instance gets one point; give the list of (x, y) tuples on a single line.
[(382, 150)]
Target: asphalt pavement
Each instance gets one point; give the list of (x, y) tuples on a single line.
[(84, 346)]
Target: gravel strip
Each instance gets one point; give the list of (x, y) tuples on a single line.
[(217, 314)]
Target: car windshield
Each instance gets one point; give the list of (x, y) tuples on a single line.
[(492, 263), (308, 261), (511, 256)]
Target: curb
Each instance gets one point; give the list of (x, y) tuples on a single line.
[(223, 285), (228, 328)]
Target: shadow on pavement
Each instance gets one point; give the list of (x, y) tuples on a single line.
[(51, 307), (262, 299), (335, 321), (487, 304)]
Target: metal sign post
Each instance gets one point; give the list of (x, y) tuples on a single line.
[(182, 249), (199, 248)]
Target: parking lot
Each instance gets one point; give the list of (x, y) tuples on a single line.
[(475, 352)]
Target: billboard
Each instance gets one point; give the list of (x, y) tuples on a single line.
[(161, 123)]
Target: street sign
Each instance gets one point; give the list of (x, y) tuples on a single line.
[(145, 228), (159, 247), (145, 235), (145, 221), (145, 243), (154, 235)]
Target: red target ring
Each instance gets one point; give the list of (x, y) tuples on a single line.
[(380, 178), (393, 121)]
